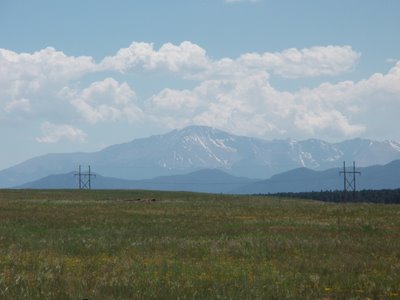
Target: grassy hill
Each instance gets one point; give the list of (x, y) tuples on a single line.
[(57, 244)]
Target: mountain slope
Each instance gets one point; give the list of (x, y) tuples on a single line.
[(199, 147), (210, 181), (306, 180), (215, 181)]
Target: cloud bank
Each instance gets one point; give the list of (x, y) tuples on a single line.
[(192, 62), (234, 94)]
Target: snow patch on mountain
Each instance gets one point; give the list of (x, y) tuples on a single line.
[(200, 147)]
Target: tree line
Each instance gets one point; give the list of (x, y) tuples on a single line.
[(369, 196)]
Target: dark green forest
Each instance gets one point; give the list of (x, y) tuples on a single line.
[(369, 196)]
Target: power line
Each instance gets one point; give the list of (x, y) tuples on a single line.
[(85, 178), (349, 182)]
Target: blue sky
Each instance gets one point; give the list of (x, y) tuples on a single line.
[(81, 75)]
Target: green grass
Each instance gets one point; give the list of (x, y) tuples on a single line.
[(107, 245)]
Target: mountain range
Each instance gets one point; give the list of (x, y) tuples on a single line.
[(196, 148), (216, 181), (305, 180), (207, 181)]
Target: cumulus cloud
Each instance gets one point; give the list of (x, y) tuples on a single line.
[(186, 57), (53, 133), (326, 122), (234, 94), (192, 61), (367, 106), (250, 105), (47, 63), (309, 62), (238, 105), (104, 101), (23, 75)]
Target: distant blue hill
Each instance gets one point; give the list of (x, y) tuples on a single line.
[(208, 180), (216, 181), (306, 180)]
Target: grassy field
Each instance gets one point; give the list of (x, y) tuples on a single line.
[(109, 245)]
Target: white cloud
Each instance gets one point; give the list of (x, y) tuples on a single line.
[(53, 133), (234, 94), (246, 105), (24, 75), (103, 101), (368, 106), (186, 57), (169, 99), (192, 62), (46, 63), (309, 62), (326, 122), (250, 105)]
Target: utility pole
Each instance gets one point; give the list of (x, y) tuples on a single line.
[(349, 182), (85, 179), (80, 177), (90, 175)]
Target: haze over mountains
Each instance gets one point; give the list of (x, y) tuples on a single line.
[(216, 181), (306, 180), (198, 147), (207, 180)]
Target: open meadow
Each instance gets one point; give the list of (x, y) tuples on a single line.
[(110, 245)]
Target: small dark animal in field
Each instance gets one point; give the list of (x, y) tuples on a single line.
[(142, 200)]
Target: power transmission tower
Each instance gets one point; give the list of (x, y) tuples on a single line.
[(349, 179), (85, 178)]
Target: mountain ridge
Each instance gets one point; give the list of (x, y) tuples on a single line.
[(200, 147), (376, 177), (207, 180)]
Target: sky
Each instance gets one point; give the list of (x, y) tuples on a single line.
[(82, 75)]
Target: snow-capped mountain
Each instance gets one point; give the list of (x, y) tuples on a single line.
[(199, 147)]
